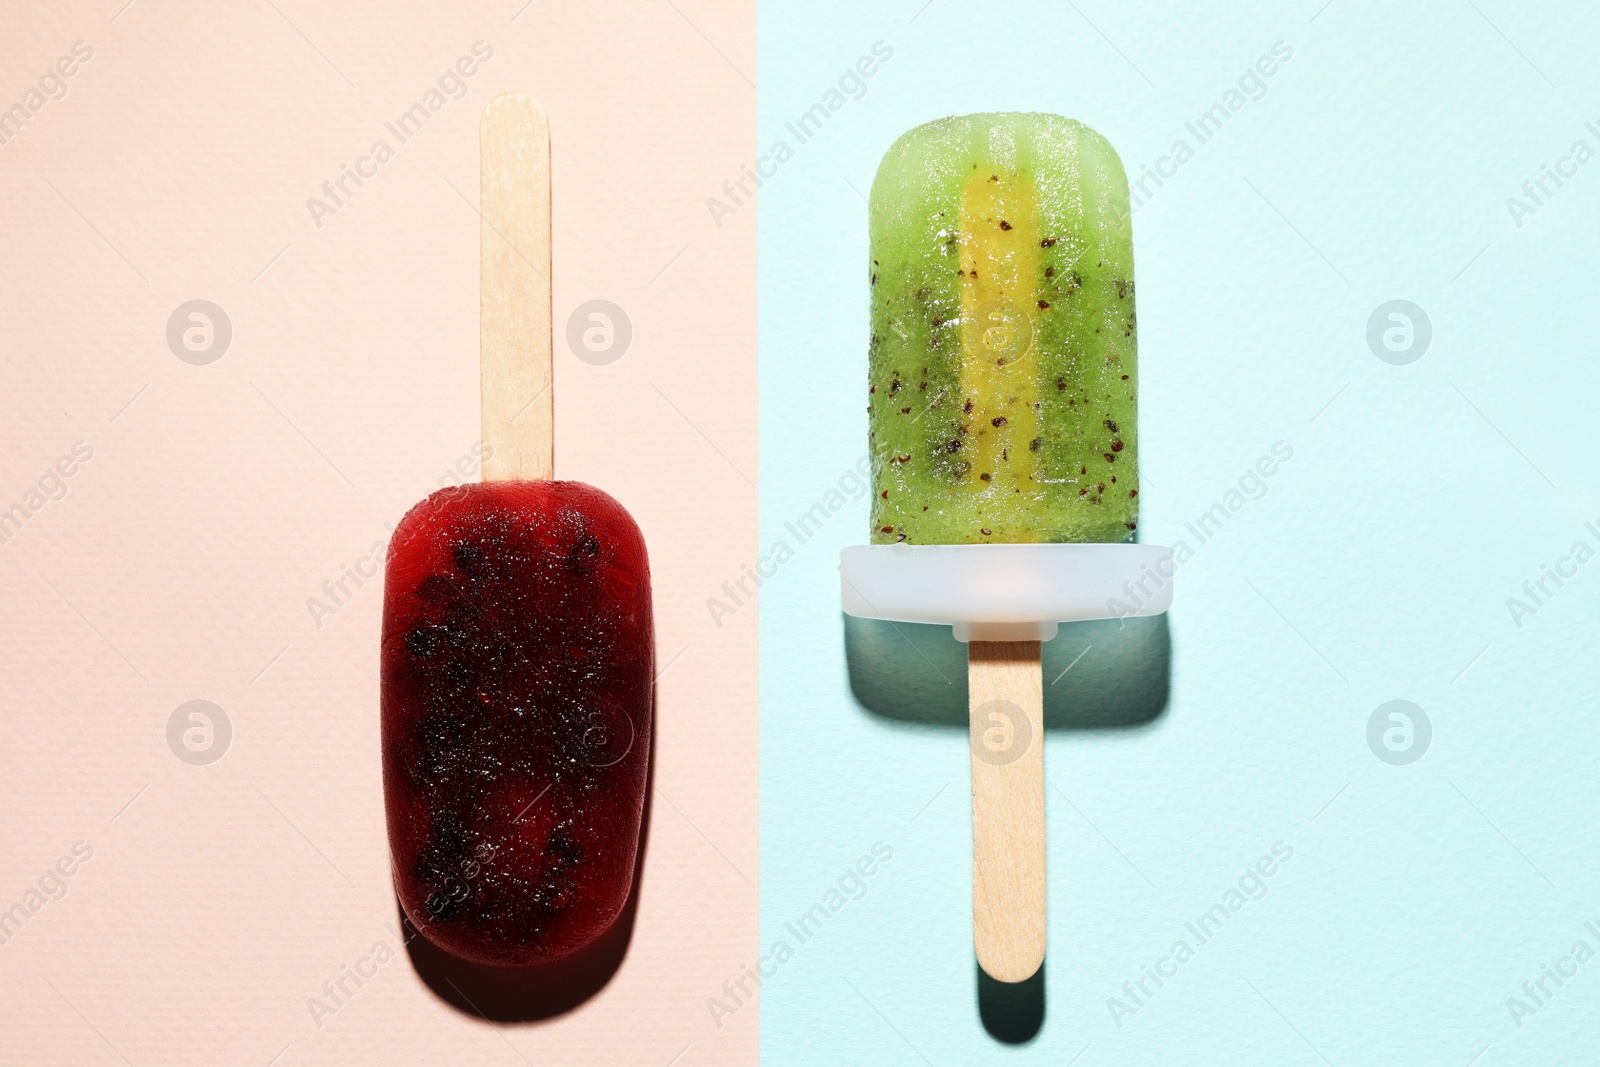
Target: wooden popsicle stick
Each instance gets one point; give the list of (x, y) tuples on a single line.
[(1005, 695), (514, 354)]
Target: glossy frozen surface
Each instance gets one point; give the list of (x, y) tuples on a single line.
[(1003, 376), (516, 670)]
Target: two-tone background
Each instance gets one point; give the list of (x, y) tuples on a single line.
[(1351, 773)]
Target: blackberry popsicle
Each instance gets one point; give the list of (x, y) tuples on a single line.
[(1002, 400), (518, 641)]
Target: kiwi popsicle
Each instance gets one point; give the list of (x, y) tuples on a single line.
[(1002, 414), (1002, 358)]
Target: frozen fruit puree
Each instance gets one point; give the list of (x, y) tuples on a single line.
[(1002, 357), (517, 663)]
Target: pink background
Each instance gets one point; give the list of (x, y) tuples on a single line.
[(219, 498)]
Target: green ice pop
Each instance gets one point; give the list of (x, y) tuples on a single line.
[(1003, 367)]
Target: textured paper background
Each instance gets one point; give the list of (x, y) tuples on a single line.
[(1375, 166), (220, 498)]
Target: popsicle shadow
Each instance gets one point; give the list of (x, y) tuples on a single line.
[(1012, 1012), (1101, 674), (501, 994)]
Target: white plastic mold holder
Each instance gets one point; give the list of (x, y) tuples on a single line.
[(1005, 592)]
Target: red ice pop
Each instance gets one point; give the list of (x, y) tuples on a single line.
[(518, 643)]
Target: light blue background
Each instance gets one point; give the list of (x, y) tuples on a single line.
[(1377, 566)]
